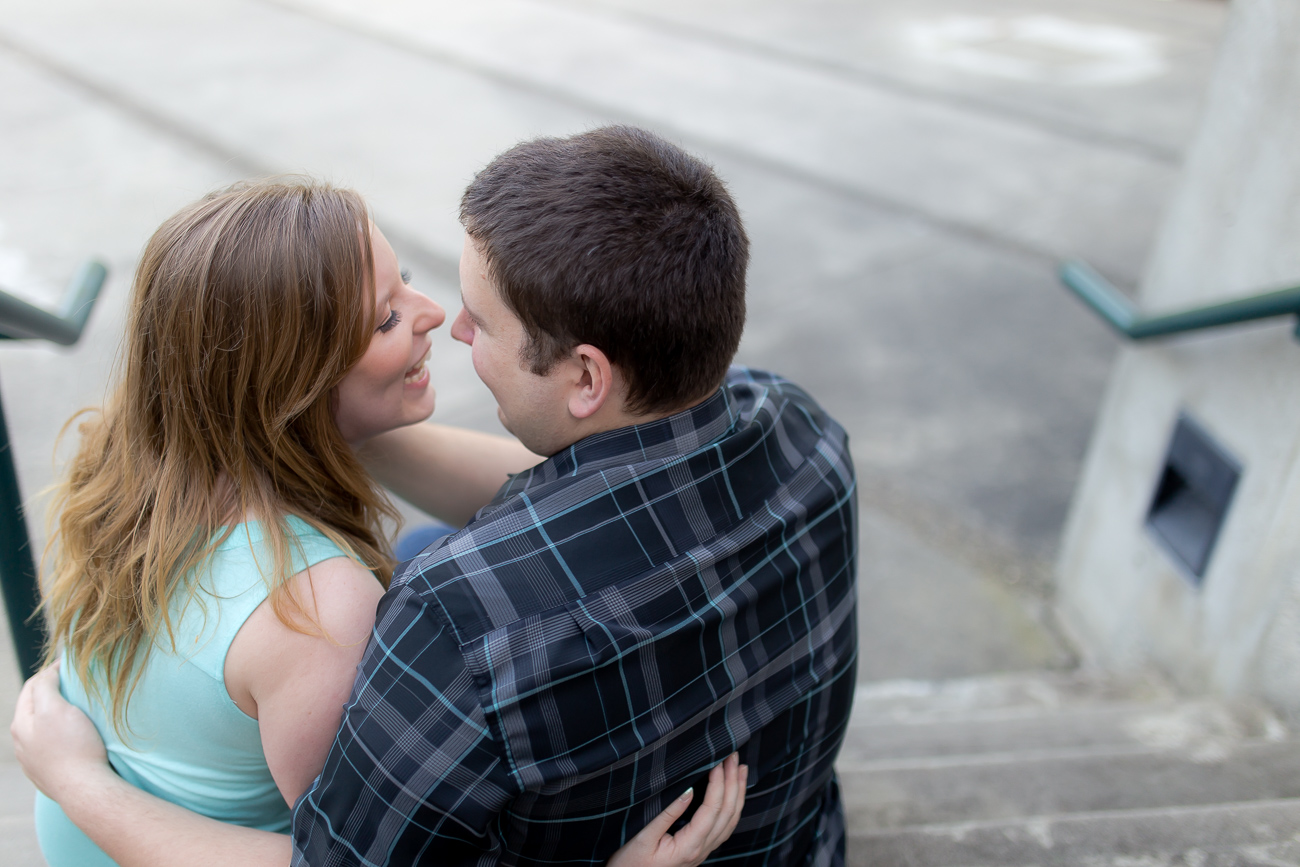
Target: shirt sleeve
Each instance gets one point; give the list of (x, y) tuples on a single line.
[(414, 775)]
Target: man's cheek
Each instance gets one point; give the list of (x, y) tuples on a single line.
[(481, 369)]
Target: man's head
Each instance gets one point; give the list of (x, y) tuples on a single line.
[(611, 251)]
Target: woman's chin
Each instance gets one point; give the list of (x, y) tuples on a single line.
[(425, 407)]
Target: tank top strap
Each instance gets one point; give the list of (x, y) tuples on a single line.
[(235, 580)]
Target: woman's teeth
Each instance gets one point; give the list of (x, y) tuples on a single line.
[(416, 372)]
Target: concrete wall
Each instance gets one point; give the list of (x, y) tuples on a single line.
[(1232, 229)]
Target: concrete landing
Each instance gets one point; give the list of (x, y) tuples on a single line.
[(926, 610)]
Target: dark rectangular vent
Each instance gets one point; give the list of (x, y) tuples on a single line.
[(1193, 496)]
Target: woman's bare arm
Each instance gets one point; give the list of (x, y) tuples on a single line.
[(295, 683), (61, 753), (448, 472)]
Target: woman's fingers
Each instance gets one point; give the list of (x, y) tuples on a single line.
[(731, 794), (37, 686), (717, 816), (45, 688), (660, 824), (740, 802), (733, 804), (53, 741), (22, 712), (712, 824), (653, 846), (726, 799)]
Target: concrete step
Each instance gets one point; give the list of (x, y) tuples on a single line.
[(896, 793), (910, 700), (1219, 835), (1164, 724)]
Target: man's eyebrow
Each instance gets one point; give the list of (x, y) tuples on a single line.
[(469, 310)]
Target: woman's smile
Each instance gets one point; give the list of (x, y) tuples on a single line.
[(418, 376), (384, 390)]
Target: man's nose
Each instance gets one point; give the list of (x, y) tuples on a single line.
[(462, 330)]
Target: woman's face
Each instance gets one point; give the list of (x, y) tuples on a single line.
[(389, 387)]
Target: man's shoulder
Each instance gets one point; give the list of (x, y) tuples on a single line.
[(788, 423), (740, 377), (631, 503), (762, 397)]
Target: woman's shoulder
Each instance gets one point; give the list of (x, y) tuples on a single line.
[(235, 582), (247, 553), (241, 571)]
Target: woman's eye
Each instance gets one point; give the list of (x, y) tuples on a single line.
[(406, 276), (390, 323)]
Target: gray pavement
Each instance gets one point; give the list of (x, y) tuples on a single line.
[(910, 171)]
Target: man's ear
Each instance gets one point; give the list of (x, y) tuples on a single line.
[(595, 385)]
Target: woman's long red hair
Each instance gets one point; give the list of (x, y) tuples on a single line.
[(248, 308)]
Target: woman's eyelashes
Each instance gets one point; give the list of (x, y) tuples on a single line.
[(394, 316)]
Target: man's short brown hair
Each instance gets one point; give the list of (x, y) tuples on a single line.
[(621, 240)]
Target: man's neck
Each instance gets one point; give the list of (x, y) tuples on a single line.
[(619, 418)]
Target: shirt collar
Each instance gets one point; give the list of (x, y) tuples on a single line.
[(679, 434)]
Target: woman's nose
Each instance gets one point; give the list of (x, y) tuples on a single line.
[(430, 317)]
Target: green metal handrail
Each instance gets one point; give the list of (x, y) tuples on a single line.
[(1099, 294), (22, 321)]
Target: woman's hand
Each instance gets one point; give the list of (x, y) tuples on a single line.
[(712, 824), (56, 744), (62, 753)]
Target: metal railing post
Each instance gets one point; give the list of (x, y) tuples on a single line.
[(22, 321), (17, 567)]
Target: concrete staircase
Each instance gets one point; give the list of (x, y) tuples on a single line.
[(1063, 769)]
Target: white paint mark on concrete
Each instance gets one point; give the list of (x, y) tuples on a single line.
[(1184, 727), (1038, 48), (17, 277), (1211, 753), (1040, 831), (1269, 855)]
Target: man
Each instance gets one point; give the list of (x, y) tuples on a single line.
[(674, 583)]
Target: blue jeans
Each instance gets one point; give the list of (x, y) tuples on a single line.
[(415, 540)]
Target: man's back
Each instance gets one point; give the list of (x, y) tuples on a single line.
[(620, 619)]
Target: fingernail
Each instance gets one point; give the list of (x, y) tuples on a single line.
[(686, 794)]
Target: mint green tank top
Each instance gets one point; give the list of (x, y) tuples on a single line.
[(188, 741)]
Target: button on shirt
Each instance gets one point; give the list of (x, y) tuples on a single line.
[(618, 620)]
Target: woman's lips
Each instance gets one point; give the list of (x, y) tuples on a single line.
[(419, 371)]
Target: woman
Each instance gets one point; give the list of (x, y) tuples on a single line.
[(217, 547)]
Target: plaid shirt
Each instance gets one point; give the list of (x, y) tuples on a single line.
[(619, 619)]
